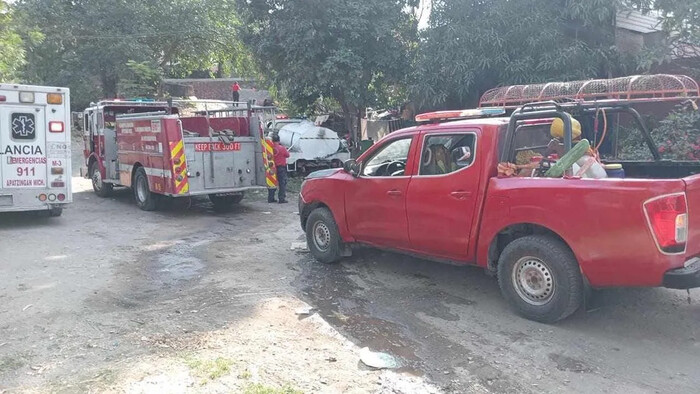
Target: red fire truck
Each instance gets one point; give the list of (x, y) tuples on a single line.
[(153, 148)]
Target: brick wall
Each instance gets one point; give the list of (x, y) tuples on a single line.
[(214, 89), (629, 41)]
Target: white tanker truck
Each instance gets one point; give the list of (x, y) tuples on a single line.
[(312, 147)]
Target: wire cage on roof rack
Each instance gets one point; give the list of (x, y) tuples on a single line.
[(633, 88)]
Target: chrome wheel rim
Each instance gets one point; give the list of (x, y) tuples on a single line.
[(321, 236), (142, 189), (533, 281)]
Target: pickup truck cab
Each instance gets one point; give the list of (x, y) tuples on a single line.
[(434, 191)]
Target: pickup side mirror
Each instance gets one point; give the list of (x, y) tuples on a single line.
[(352, 167)]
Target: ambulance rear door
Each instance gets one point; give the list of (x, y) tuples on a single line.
[(23, 147)]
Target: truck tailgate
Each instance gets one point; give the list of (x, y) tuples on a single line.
[(692, 190)]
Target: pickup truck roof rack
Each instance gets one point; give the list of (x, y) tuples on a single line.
[(637, 88)]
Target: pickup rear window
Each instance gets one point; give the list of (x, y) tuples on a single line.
[(444, 154)]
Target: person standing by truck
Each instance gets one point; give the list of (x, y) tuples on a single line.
[(281, 155), (236, 88)]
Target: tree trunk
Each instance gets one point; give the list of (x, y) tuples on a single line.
[(358, 125), (353, 121), (220, 68), (109, 85), (352, 124)]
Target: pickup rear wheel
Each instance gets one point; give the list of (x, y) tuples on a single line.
[(145, 199), (322, 236), (101, 188), (540, 278)]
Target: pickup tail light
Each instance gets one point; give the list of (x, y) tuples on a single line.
[(668, 220)]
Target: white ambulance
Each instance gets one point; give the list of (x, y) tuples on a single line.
[(35, 156)]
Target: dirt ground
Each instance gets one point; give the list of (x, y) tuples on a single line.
[(109, 298)]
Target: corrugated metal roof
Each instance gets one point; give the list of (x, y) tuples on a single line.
[(638, 22)]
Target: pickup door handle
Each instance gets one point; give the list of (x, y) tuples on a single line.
[(394, 193), (460, 194)]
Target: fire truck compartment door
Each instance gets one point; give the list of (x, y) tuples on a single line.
[(110, 138), (22, 147), (230, 169), (218, 170)]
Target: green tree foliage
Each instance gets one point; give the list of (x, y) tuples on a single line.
[(99, 47), (11, 46), (143, 79), (471, 46), (677, 136), (348, 50), (681, 20), (679, 16)]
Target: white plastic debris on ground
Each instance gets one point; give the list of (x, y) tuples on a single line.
[(299, 247), (378, 360), (389, 381), (304, 310)]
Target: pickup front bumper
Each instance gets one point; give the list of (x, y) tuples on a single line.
[(302, 212), (687, 277)]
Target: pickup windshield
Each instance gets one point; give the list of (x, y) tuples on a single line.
[(390, 160)]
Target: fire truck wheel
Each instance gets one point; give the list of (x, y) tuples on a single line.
[(55, 212), (145, 199), (237, 198), (322, 236), (225, 203), (101, 189)]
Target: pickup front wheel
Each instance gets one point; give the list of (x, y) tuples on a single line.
[(540, 278), (322, 236)]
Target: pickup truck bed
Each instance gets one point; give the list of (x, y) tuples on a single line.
[(664, 169), (603, 222)]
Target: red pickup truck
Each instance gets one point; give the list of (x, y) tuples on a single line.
[(434, 191)]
